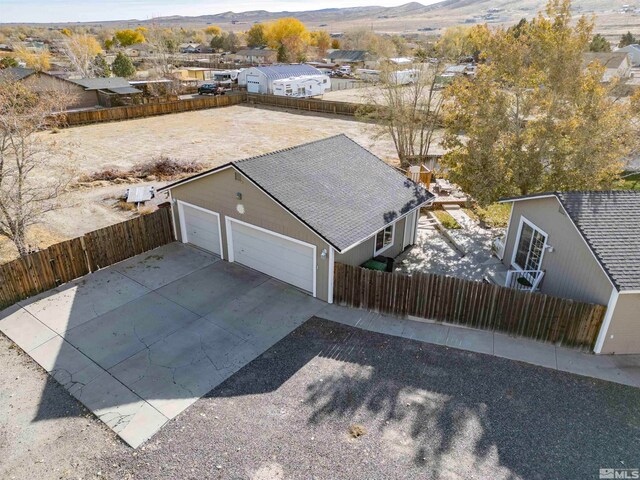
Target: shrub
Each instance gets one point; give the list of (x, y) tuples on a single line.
[(164, 167), (495, 215)]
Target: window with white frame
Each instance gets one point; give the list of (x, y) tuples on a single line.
[(384, 239), (530, 246)]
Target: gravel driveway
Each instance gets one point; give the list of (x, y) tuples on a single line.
[(426, 412)]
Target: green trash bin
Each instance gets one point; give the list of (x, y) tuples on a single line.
[(375, 265)]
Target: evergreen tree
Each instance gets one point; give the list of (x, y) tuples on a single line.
[(101, 67), (123, 66)]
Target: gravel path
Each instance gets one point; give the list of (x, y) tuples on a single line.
[(426, 412)]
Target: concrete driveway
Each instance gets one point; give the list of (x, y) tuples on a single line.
[(139, 342)]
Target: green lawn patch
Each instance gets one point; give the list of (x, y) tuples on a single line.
[(446, 220)]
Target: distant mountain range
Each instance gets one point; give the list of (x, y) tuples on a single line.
[(407, 18)]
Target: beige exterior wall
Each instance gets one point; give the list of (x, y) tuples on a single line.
[(365, 251), (571, 270), (623, 335), (80, 98), (217, 192)]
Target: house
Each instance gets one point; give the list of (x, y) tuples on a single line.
[(111, 91), (294, 213), (44, 82), (355, 58), (188, 47), (634, 53), (584, 246), (256, 55), (299, 76), (617, 64), (139, 50), (203, 48)]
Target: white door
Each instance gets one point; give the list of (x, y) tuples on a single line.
[(281, 257), (253, 84), (409, 229), (200, 227)]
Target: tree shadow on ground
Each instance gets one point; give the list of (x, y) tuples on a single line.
[(451, 412)]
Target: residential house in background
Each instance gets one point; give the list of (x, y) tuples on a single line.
[(584, 246), (354, 58), (110, 92), (297, 80), (634, 53), (45, 82), (139, 50), (617, 64), (294, 213), (256, 55), (188, 47)]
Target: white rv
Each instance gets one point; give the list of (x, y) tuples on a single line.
[(306, 86)]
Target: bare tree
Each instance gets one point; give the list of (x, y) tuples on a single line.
[(406, 106), (28, 187), (164, 44), (81, 51)]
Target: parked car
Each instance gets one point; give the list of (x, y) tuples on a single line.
[(210, 89)]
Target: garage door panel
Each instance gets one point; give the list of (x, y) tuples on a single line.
[(201, 228), (273, 255)]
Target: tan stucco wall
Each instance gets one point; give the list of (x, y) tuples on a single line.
[(48, 83), (217, 192), (623, 335), (363, 252), (571, 271)]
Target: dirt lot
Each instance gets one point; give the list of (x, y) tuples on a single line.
[(213, 137), (420, 409)]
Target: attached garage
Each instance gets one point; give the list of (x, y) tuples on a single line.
[(200, 227), (279, 256), (293, 213)]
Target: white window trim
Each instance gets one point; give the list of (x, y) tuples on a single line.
[(387, 247), (183, 225), (331, 274), (228, 221), (524, 220)]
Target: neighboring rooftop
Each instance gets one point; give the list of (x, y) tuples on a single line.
[(609, 221), (275, 72), (15, 73), (606, 59), (348, 55), (101, 83), (339, 189)]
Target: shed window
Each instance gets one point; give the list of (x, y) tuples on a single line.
[(384, 239)]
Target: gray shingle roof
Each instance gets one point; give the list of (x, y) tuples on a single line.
[(101, 83), (15, 73), (349, 55), (609, 221), (339, 189), (276, 72)]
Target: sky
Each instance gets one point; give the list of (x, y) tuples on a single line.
[(49, 11)]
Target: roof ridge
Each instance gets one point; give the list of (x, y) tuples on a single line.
[(293, 147)]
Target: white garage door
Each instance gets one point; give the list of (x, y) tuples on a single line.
[(280, 257), (253, 84), (200, 227)]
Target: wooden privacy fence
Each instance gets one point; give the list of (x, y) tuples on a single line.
[(472, 304), (308, 104), (65, 261), (149, 109)]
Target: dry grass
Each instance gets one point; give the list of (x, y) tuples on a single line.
[(146, 210), (125, 206), (356, 430)]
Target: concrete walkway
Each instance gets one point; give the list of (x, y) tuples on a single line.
[(623, 369)]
